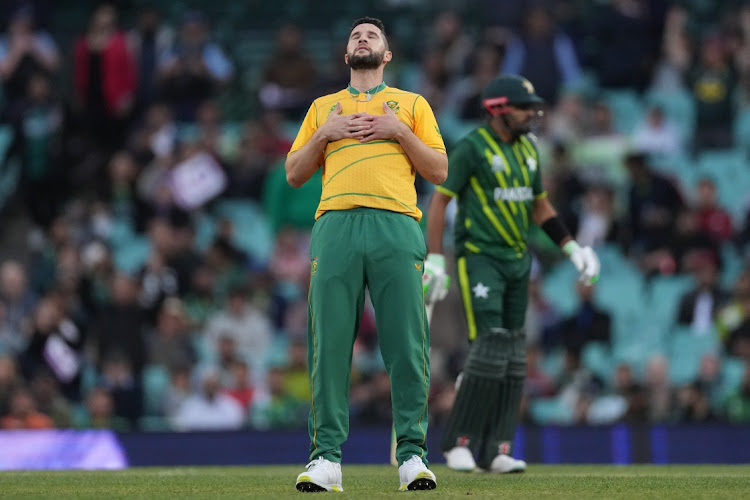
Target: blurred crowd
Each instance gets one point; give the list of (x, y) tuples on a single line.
[(155, 262)]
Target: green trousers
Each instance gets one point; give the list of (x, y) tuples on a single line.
[(382, 251)]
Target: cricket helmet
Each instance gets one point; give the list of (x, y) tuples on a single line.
[(508, 90)]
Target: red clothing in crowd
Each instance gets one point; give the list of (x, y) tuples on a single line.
[(119, 77), (716, 222)]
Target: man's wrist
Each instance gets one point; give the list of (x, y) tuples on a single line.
[(570, 247), (436, 258)]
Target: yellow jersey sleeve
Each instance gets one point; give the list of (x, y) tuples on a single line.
[(425, 125)]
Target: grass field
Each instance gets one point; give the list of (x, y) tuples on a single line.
[(540, 481)]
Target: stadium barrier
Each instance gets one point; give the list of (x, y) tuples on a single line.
[(619, 445)]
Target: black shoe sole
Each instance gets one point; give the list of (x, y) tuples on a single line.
[(421, 484), (307, 487)]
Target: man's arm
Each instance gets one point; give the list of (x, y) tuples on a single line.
[(584, 258), (544, 211), (301, 164), (430, 163), (436, 221)]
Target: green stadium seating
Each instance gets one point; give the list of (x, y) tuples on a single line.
[(678, 106), (155, 385), (686, 348)]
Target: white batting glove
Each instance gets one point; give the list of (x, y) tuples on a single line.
[(435, 281), (585, 261)]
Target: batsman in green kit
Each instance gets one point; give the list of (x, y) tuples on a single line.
[(495, 176), (370, 140)]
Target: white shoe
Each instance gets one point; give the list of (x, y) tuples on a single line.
[(415, 475), (505, 464), (460, 458), (321, 475)]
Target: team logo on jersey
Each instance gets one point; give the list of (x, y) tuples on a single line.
[(332, 108), (531, 162), (498, 164), (529, 87), (481, 291), (418, 266), (393, 105), (314, 267)]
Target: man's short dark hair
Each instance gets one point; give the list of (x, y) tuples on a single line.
[(374, 21)]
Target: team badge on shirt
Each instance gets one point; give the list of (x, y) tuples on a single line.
[(393, 105), (531, 162), (498, 164)]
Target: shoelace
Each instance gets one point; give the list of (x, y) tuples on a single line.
[(315, 463)]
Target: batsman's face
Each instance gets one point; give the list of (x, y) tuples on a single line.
[(366, 48), (520, 118)]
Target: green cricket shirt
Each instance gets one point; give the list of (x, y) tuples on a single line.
[(495, 184)]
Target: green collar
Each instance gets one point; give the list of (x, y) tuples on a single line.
[(369, 93)]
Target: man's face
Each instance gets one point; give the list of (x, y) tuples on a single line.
[(519, 117), (366, 48)]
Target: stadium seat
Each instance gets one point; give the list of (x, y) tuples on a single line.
[(678, 106), (130, 256), (686, 348), (741, 130), (596, 357), (551, 411), (664, 294), (155, 384), (729, 170), (251, 230), (627, 108)]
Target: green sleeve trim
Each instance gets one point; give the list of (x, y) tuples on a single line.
[(541, 195), (472, 247)]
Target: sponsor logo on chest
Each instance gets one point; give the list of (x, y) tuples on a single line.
[(514, 194)]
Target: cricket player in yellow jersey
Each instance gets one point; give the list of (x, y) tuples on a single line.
[(370, 140)]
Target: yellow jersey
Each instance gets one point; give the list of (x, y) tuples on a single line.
[(376, 174)]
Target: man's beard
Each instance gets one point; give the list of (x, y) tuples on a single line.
[(373, 60)]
